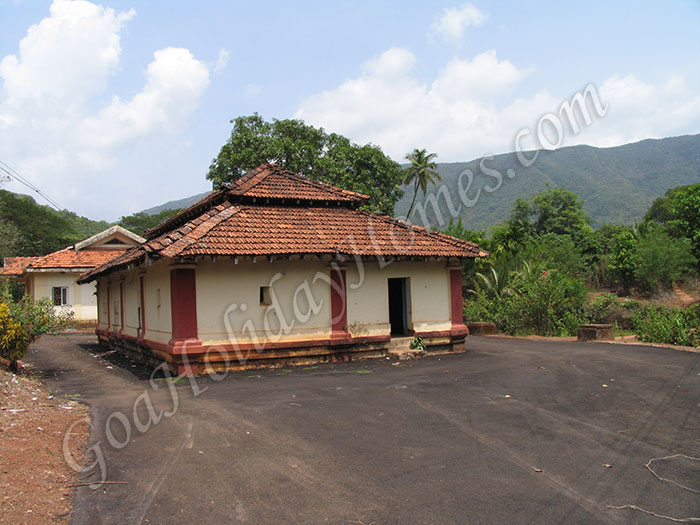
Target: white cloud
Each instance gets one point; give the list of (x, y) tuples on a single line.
[(60, 128), (175, 82), (467, 110), (66, 57), (392, 62), (221, 61), (455, 21), (483, 76)]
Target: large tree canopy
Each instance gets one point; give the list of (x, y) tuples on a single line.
[(310, 151), (554, 210)]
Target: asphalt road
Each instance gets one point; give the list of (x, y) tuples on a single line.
[(513, 431)]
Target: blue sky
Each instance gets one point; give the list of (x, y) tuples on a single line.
[(114, 107)]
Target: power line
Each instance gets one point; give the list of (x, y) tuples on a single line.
[(13, 174)]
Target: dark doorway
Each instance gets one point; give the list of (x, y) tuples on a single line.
[(398, 311)]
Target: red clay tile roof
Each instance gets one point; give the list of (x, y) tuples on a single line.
[(270, 181), (267, 184), (16, 265), (69, 258), (246, 230), (276, 230)]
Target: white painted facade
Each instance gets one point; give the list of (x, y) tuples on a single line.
[(82, 300), (229, 309)]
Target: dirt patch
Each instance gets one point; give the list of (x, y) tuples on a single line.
[(34, 476)]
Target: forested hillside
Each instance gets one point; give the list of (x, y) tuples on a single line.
[(617, 185), (29, 228)]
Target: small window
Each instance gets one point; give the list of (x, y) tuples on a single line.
[(60, 295), (157, 297), (116, 314), (265, 298)]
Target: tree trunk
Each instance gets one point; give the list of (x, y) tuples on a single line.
[(413, 201)]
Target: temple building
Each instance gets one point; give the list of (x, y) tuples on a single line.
[(277, 266)]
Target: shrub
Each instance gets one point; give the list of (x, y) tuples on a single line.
[(658, 324), (609, 308), (662, 260), (24, 321), (539, 302)]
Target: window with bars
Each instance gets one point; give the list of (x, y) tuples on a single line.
[(59, 295)]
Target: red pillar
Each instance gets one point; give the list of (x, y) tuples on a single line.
[(339, 310), (456, 302), (185, 343)]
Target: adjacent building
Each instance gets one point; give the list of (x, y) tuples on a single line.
[(54, 276), (279, 266)]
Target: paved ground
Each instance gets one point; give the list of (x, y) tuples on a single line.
[(512, 431)]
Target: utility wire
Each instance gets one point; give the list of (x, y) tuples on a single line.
[(13, 174)]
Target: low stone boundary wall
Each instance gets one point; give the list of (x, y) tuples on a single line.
[(596, 332), (481, 328)]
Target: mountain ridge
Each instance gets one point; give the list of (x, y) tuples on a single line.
[(617, 183)]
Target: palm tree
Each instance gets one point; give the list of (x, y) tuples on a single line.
[(422, 170)]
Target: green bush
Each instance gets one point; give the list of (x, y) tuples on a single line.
[(24, 321), (609, 308), (658, 324), (662, 260), (538, 302)]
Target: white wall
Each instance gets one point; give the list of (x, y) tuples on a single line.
[(225, 287), (428, 296), (301, 306), (81, 298), (158, 313)]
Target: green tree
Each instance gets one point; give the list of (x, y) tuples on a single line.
[(10, 238), (662, 260), (312, 152), (421, 171), (686, 211), (457, 229), (554, 210), (623, 259), (139, 222)]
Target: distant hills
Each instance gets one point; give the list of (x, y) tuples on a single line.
[(40, 229), (616, 184), (175, 205)]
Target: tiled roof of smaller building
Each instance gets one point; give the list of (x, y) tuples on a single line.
[(16, 265), (69, 258)]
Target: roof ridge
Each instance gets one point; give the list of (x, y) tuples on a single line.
[(200, 230), (277, 169)]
